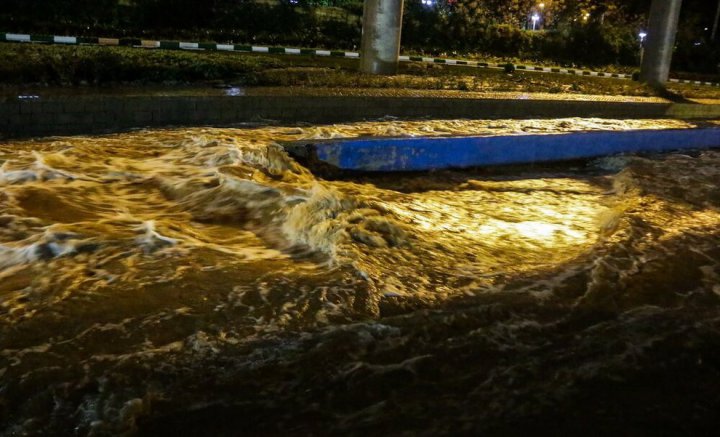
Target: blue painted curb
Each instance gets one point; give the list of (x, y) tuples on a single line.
[(427, 153)]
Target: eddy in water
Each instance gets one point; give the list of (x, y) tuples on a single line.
[(202, 282)]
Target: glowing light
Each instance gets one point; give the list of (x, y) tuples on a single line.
[(642, 36), (535, 17)]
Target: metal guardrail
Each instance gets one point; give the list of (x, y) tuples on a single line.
[(211, 46)]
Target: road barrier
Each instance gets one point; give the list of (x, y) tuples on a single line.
[(211, 46)]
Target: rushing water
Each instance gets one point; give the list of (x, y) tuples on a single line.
[(202, 282)]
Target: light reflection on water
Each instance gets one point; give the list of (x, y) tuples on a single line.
[(235, 92)]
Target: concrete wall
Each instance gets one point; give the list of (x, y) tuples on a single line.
[(100, 114)]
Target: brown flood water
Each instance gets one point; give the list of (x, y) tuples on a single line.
[(202, 282)]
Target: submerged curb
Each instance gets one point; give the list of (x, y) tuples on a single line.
[(211, 46), (436, 153)]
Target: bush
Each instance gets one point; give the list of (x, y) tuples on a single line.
[(435, 31), (597, 44), (218, 20), (508, 40), (698, 56)]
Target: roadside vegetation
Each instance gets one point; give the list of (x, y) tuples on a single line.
[(54, 65), (83, 65), (573, 33)]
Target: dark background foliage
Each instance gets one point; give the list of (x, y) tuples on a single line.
[(571, 32)]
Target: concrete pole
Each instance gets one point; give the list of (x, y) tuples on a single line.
[(380, 49), (664, 16)]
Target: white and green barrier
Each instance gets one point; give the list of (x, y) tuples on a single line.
[(211, 46)]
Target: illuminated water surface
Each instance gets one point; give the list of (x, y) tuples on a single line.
[(202, 280)]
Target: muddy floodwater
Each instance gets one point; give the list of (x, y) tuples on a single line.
[(203, 282)]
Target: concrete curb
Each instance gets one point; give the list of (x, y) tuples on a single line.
[(211, 46), (80, 115), (435, 153)]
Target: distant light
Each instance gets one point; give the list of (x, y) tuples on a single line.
[(428, 2), (586, 17), (28, 97), (541, 5), (706, 28), (642, 36), (234, 92)]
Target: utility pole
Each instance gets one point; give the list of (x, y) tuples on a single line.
[(715, 25), (664, 16), (382, 25)]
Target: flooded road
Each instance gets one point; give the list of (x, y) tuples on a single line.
[(201, 281)]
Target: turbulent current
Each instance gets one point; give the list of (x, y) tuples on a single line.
[(203, 282)]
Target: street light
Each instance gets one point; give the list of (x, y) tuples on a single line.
[(642, 36), (535, 17)]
